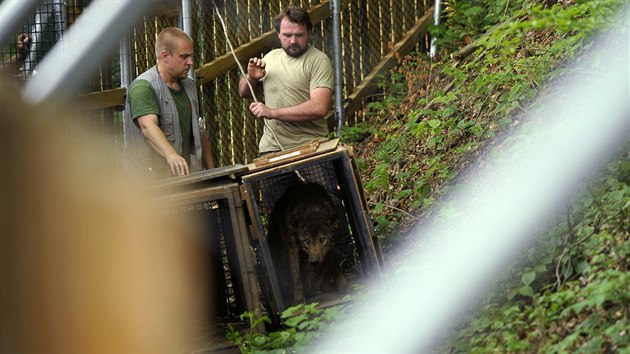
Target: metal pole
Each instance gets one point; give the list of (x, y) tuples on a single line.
[(339, 94), (125, 61), (437, 12), (187, 24), (12, 15)]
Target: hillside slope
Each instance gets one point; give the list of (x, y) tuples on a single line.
[(569, 293)]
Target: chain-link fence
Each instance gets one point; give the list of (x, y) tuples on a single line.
[(369, 29)]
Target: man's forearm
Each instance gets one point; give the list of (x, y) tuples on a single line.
[(303, 112), (244, 89), (157, 140)]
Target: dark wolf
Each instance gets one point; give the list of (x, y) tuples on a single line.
[(303, 226)]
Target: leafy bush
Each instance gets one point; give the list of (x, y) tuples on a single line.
[(571, 292), (302, 325)]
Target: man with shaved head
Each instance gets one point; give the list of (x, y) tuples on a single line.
[(162, 133)]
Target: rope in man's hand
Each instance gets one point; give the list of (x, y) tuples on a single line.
[(251, 89)]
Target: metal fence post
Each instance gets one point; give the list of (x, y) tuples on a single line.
[(336, 30)]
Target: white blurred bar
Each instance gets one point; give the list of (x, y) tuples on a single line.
[(85, 45)]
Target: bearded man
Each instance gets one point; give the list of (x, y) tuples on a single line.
[(297, 81)]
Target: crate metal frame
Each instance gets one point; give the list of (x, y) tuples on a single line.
[(234, 227), (354, 203)]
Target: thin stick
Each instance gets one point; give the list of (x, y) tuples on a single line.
[(251, 89), (227, 38)]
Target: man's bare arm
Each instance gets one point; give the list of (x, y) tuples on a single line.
[(244, 89), (316, 107), (149, 126), (255, 72)]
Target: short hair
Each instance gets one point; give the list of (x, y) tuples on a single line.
[(169, 40), (295, 15)]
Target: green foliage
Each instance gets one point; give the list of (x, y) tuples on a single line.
[(512, 62), (467, 20), (355, 134), (302, 325), (569, 292)]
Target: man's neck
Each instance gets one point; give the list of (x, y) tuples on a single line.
[(171, 82)]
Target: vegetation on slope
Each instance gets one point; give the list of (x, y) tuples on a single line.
[(571, 292)]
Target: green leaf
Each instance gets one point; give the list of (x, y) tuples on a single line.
[(260, 340), (528, 278), (435, 123), (526, 291), (404, 193), (582, 267), (294, 321)]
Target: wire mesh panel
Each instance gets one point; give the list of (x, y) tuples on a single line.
[(218, 212), (354, 241)]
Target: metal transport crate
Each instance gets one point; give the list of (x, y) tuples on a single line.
[(233, 205), (212, 199), (336, 171)]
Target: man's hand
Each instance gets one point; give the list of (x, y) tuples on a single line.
[(179, 166), (260, 110), (149, 126), (251, 81), (23, 44), (255, 69)]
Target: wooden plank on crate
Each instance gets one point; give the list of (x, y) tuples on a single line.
[(102, 99), (224, 63), (213, 174), (313, 148), (403, 47)]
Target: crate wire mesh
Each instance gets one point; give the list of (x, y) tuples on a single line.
[(335, 172), (218, 210)]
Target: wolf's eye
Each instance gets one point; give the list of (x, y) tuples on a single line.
[(323, 240), (307, 242)]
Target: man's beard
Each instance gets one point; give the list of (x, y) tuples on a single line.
[(295, 50)]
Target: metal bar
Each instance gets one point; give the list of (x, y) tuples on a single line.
[(73, 60), (338, 63), (12, 15), (437, 11), (188, 27), (125, 61), (364, 235)]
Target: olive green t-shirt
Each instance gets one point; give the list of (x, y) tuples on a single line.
[(143, 101), (289, 81)]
